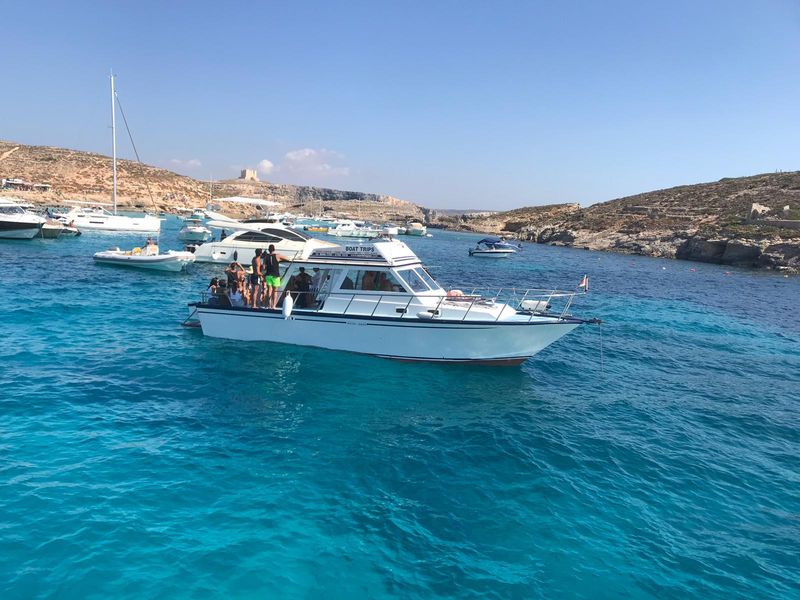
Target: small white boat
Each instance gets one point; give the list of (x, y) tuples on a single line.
[(493, 248), (18, 223), (417, 229), (70, 231), (350, 229), (194, 231), (52, 229), (149, 258), (377, 298)]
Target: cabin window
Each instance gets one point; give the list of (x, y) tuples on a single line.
[(255, 236), (427, 278), (294, 236), (11, 210), (371, 281), (414, 281)]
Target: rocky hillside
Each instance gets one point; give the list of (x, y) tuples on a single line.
[(706, 222), (76, 175)]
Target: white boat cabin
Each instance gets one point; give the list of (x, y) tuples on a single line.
[(377, 279)]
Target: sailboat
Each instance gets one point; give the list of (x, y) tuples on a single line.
[(148, 257), (97, 217)]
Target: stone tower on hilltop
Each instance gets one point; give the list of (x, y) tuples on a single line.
[(249, 175)]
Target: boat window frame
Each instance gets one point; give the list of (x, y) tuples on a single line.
[(240, 238), (428, 278), (358, 280), (286, 234), (401, 273)]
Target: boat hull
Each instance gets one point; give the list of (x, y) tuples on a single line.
[(51, 231), (404, 339), (109, 222), (19, 231), (490, 254), (171, 262)]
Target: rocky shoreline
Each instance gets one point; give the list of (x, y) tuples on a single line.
[(746, 222), (709, 223)]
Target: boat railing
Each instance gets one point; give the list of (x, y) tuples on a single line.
[(531, 302)]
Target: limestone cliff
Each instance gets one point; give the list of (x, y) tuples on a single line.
[(85, 176), (710, 222)]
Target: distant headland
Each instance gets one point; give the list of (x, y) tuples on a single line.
[(745, 221)]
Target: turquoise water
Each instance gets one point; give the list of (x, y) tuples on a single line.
[(140, 459)]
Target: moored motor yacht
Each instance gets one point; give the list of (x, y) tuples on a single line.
[(194, 231), (18, 223), (376, 298), (248, 237), (98, 218), (350, 229), (493, 248), (417, 229)]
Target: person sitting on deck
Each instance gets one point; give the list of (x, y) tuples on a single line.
[(382, 283), (235, 295), (150, 248)]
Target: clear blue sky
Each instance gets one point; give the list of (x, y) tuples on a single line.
[(449, 104)]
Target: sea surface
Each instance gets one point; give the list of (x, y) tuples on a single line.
[(656, 456)]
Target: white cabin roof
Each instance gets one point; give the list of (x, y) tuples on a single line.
[(389, 253)]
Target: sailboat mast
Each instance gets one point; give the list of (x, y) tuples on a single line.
[(113, 145)]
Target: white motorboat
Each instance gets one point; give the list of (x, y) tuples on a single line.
[(69, 231), (376, 298), (52, 229), (18, 223), (101, 219), (351, 229), (147, 258), (493, 248), (248, 237), (417, 229), (194, 231), (98, 218)]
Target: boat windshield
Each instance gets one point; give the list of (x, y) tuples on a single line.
[(11, 210), (414, 280), (294, 236), (427, 277)]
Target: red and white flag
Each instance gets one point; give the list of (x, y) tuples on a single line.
[(584, 284)]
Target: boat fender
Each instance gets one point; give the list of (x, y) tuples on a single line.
[(288, 305), (428, 314), (137, 251), (453, 293)]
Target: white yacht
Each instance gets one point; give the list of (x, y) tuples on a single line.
[(98, 217), (417, 229), (493, 248), (351, 229), (194, 231), (376, 298), (18, 223), (248, 237)]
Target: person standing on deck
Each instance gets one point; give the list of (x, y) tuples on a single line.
[(272, 272), (255, 278)]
